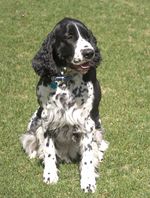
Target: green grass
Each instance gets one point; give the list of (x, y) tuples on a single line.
[(123, 32)]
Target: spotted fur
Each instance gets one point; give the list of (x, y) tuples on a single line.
[(67, 127)]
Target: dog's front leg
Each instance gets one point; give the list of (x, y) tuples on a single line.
[(88, 164), (50, 175)]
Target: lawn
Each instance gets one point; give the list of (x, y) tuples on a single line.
[(122, 29)]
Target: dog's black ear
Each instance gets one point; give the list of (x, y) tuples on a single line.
[(97, 58), (43, 63)]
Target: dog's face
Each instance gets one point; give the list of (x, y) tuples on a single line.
[(70, 44), (73, 45)]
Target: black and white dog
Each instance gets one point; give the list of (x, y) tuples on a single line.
[(66, 127)]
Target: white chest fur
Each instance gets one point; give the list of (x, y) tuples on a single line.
[(70, 103)]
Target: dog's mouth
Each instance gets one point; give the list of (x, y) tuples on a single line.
[(85, 65), (83, 68)]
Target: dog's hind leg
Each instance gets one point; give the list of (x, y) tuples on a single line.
[(30, 140)]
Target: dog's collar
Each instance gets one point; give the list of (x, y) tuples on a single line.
[(63, 77)]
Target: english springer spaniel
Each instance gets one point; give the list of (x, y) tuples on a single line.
[(66, 126)]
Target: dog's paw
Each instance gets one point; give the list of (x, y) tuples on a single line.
[(104, 145), (100, 156), (33, 155), (88, 184), (50, 177)]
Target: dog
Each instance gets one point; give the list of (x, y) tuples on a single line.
[(66, 126)]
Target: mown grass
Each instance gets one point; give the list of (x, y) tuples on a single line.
[(123, 32)]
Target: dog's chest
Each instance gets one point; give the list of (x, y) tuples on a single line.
[(76, 92), (68, 100)]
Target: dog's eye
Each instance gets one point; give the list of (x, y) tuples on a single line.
[(69, 36)]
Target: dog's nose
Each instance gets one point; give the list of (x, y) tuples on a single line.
[(88, 53)]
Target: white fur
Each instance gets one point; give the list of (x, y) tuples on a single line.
[(53, 105), (88, 163), (81, 44), (102, 148), (50, 175), (29, 143)]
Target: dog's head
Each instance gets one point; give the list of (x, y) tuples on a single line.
[(70, 44)]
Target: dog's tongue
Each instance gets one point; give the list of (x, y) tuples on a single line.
[(85, 65)]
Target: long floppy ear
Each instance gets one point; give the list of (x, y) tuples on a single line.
[(97, 58), (43, 62)]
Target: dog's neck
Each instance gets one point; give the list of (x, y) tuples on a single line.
[(64, 76)]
